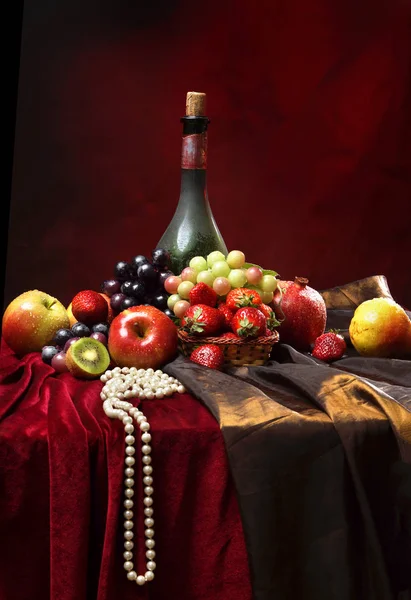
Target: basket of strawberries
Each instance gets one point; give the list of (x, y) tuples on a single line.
[(241, 325)]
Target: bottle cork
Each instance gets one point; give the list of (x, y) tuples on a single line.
[(195, 104)]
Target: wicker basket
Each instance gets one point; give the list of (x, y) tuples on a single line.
[(236, 351)]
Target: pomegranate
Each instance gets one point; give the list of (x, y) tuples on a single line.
[(304, 313)]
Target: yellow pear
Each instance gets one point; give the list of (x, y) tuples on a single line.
[(381, 328)]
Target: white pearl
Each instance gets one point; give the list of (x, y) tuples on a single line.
[(129, 428), (129, 545), (141, 580), (150, 395), (151, 565), (146, 460), (147, 500), (164, 376), (130, 460), (149, 371), (149, 543), (158, 372), (174, 387), (146, 438), (129, 525), (150, 554), (128, 535), (148, 511), (130, 450), (108, 374), (159, 394), (129, 472), (130, 439), (129, 493), (128, 565), (128, 503), (128, 394), (149, 576), (128, 514), (129, 482), (127, 420), (148, 522), (103, 378), (144, 426), (120, 395), (167, 390), (149, 532), (181, 389), (125, 370), (131, 575), (116, 371), (103, 396), (147, 480), (140, 372), (141, 419), (148, 490), (147, 470), (146, 449), (133, 371), (127, 555)]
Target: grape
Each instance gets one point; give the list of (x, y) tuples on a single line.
[(180, 308), (221, 286), (184, 289), (268, 283), (237, 278), (266, 297), (110, 287), (160, 301), (115, 302), (171, 284), (169, 313), (215, 256), (198, 263), (128, 302), (138, 261), (80, 330), (100, 337), (58, 362), (188, 274), (206, 277), (101, 328), (235, 259), (122, 270), (163, 276), (161, 258), (254, 275), (126, 287), (61, 337), (172, 300), (148, 275), (137, 290), (69, 343), (47, 353), (220, 269)]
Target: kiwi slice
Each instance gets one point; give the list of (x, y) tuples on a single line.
[(87, 358)]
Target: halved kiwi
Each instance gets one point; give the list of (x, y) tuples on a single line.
[(87, 358)]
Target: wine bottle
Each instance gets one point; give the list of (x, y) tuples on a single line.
[(192, 230)]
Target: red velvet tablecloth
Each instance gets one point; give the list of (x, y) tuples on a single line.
[(61, 495)]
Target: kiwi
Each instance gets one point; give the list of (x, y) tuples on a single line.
[(87, 358)]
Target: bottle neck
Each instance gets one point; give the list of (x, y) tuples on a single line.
[(194, 146)]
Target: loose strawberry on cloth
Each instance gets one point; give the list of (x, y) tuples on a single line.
[(329, 346)]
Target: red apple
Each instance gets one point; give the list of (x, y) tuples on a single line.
[(142, 337), (31, 320)]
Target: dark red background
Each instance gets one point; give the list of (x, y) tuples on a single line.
[(309, 146)]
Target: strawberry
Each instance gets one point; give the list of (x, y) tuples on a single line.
[(227, 313), (270, 316), (208, 355), (329, 346), (249, 322), (89, 307), (202, 320), (241, 297), (202, 293), (229, 335)]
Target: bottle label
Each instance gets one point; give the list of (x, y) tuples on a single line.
[(194, 151)]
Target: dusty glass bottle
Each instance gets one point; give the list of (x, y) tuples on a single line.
[(192, 230)]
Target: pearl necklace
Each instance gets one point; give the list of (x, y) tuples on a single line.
[(119, 386)]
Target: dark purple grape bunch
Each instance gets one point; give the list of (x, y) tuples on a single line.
[(140, 281), (54, 354)]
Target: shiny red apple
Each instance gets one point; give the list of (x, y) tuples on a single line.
[(31, 320), (142, 337)]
